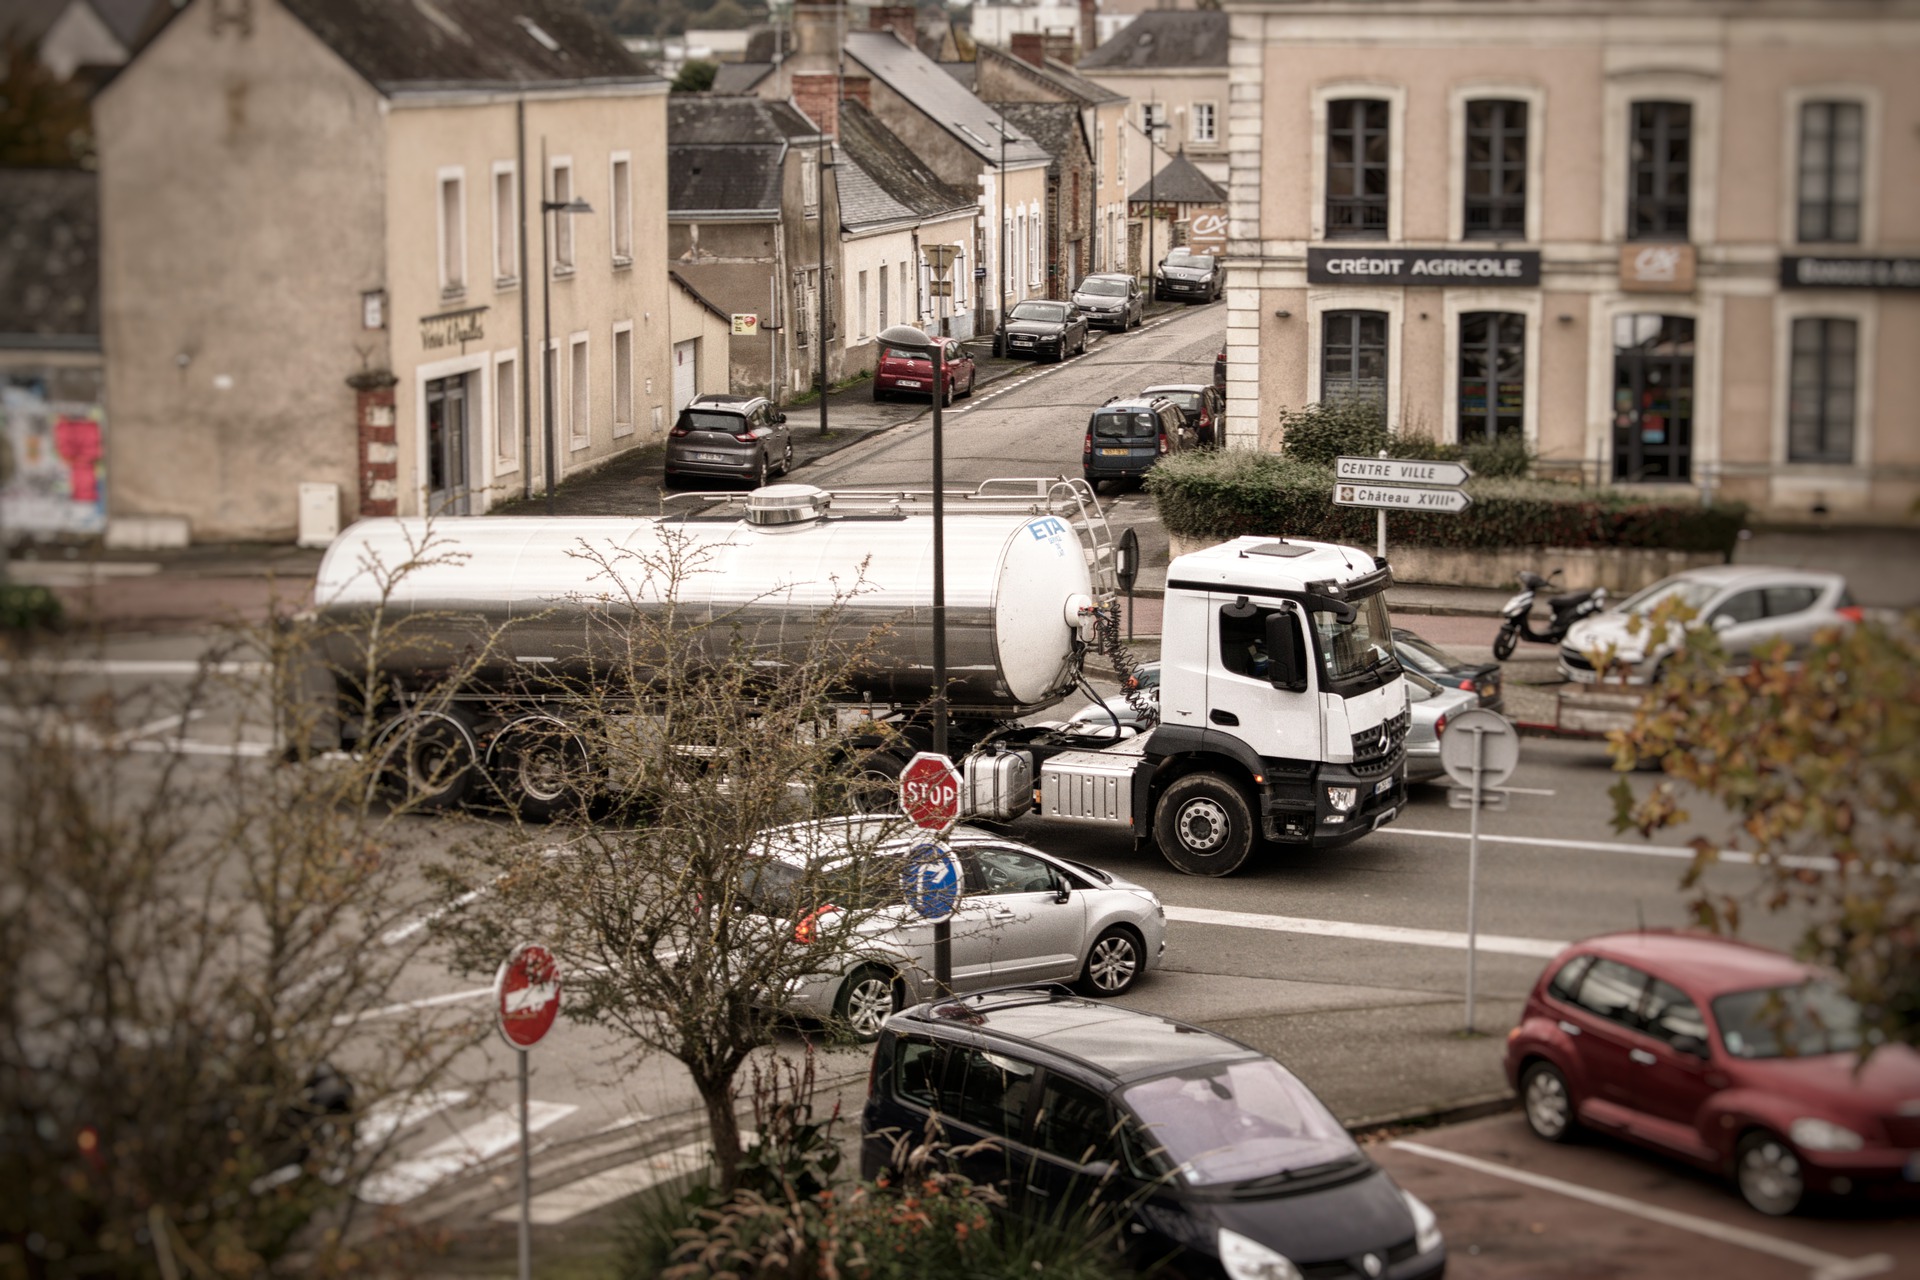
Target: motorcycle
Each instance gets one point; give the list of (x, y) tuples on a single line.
[(1567, 610)]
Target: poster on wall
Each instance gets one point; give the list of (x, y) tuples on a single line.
[(53, 465)]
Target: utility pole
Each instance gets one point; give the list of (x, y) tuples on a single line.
[(1153, 200), (820, 192)]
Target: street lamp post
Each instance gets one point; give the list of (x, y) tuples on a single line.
[(820, 191), (549, 366)]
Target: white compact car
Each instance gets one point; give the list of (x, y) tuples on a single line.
[(1749, 606), (1025, 916)]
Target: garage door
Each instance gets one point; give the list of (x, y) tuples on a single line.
[(686, 365)]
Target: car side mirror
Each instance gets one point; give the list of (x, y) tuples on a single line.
[(1690, 1044), (1063, 893), (1722, 622), (1286, 664), (779, 417)]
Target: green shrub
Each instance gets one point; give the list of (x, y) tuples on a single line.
[(28, 608), (1506, 457), (1231, 492), (1319, 433)]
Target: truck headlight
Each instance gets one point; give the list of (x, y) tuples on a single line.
[(1244, 1259), (1426, 1227), (1343, 798), (1822, 1135)]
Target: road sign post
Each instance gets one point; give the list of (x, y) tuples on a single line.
[(1479, 751), (526, 1000), (930, 797)]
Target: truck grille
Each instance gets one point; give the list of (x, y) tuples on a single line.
[(1378, 749)]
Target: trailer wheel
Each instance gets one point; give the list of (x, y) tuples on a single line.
[(870, 785), (1204, 826), (538, 770), (428, 762)]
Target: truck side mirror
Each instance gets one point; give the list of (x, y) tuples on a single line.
[(1286, 663)]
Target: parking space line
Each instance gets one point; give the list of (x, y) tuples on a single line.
[(1540, 948), (1820, 1264), (1738, 856)]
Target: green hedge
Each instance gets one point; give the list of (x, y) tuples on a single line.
[(1231, 492), (28, 608)]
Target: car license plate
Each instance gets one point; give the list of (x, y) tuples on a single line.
[(1383, 786), (1023, 342), (710, 457), (908, 382), (1115, 453)]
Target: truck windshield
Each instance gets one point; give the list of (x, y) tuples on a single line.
[(1357, 650)]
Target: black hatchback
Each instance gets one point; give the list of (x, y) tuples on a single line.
[(1218, 1160)]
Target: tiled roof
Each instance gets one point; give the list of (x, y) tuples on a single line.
[(739, 77), (1057, 74), (1161, 38), (919, 80), (722, 119), (864, 202), (726, 154), (962, 72), (49, 257), (1179, 182), (1054, 125), (892, 166)]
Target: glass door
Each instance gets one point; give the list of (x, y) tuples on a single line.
[(1652, 398), (447, 485)]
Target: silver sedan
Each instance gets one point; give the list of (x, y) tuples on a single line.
[(1025, 916)]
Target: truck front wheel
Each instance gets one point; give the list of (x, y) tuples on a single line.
[(1204, 825)]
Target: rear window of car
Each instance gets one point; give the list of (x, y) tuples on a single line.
[(780, 888), (710, 420), (1188, 400), (1125, 425), (1104, 288), (901, 353)]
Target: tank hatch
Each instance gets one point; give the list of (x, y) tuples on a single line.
[(782, 504)]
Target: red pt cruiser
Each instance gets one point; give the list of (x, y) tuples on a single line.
[(1730, 1056)]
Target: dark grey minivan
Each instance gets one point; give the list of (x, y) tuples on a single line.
[(719, 437), (1217, 1159), (1126, 437)]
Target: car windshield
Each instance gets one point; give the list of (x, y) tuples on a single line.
[(902, 353), (1349, 650), (1239, 1122), (1686, 590), (1198, 261), (1052, 312), (1788, 1022), (1125, 425), (1419, 655), (1187, 400), (701, 420), (1104, 288), (776, 887)]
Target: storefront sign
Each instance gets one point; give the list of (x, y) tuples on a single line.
[(1656, 268), (1849, 273), (1207, 230), (745, 324), (452, 328), (1430, 267)]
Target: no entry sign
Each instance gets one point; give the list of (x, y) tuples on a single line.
[(526, 995), (930, 792)]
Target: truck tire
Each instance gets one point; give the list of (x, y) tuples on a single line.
[(428, 762), (870, 785), (537, 770), (1204, 825)]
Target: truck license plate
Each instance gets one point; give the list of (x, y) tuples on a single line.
[(1383, 786), (1115, 453)]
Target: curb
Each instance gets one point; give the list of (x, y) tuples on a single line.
[(1479, 1108)]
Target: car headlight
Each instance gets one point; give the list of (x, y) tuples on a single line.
[(1822, 1135), (1343, 798), (1426, 1227), (1244, 1259), (1151, 898)]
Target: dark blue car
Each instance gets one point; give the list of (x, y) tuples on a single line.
[(1220, 1161)]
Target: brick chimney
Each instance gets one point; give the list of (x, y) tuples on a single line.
[(1058, 45), (817, 96), (1089, 28), (897, 18), (857, 89), (1030, 47)]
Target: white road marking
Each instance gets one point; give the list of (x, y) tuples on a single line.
[(474, 1145), (134, 667), (414, 1006), (1498, 944), (155, 727), (390, 1115), (603, 1188), (1739, 856), (1823, 1265), (627, 1122)]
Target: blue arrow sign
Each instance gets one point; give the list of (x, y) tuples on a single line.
[(931, 882)]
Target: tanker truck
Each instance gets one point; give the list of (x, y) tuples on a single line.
[(1281, 713)]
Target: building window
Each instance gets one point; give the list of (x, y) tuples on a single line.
[(1153, 118), (580, 418), (906, 295), (1493, 375), (801, 310), (506, 412), (562, 222), (1660, 168), (960, 280), (1496, 170), (1357, 169), (453, 234), (622, 211), (1036, 240), (623, 380), (1832, 156), (810, 182), (883, 295), (1205, 123), (550, 393), (1820, 399), (860, 325), (1353, 356), (1652, 398), (506, 227)]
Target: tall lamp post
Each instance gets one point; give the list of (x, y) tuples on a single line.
[(1000, 254), (548, 365), (909, 338), (820, 191)]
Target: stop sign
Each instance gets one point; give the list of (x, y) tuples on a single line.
[(930, 792), (526, 995)]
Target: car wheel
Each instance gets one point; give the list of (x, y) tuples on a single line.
[(1113, 963), (1503, 644), (759, 480), (1769, 1174), (973, 376), (786, 461), (946, 391), (1549, 1105), (867, 999), (878, 394), (668, 480), (1203, 825)]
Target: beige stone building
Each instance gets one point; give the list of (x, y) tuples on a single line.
[(322, 260), (1672, 243), (1172, 65)]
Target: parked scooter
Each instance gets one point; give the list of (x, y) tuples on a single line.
[(1567, 610)]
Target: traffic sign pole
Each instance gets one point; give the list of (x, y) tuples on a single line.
[(1473, 867), (526, 1000), (526, 1180), (1480, 750)]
